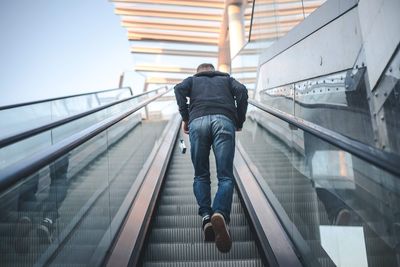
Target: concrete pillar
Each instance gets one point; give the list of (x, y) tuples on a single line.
[(236, 28), (224, 68), (224, 57)]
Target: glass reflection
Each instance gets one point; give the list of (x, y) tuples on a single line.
[(345, 209)]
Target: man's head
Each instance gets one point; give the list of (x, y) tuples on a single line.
[(205, 67)]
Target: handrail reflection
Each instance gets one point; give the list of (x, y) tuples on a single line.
[(13, 138), (385, 160)]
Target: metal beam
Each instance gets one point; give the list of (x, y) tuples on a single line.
[(209, 3), (169, 69), (147, 12), (163, 51), (158, 80), (172, 38), (131, 25)]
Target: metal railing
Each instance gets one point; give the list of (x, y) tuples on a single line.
[(62, 97), (17, 171), (385, 160), (13, 138)]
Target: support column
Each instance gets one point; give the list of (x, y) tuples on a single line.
[(236, 28), (224, 57)]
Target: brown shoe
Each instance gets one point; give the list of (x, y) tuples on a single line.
[(223, 239), (208, 231)]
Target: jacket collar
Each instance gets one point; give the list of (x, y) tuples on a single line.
[(211, 73)]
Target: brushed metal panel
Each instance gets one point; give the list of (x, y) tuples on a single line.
[(333, 48), (380, 27)]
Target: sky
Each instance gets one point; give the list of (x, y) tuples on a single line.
[(51, 48)]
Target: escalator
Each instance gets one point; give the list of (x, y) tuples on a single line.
[(127, 199), (176, 237)]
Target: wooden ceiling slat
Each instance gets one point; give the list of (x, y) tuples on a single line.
[(210, 4), (172, 38), (162, 51), (164, 26), (142, 12)]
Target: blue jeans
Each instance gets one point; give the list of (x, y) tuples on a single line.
[(218, 132)]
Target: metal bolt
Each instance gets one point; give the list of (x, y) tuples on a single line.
[(374, 114), (368, 98), (385, 94), (356, 66), (376, 94), (362, 64), (382, 118), (347, 87), (390, 69), (375, 139)]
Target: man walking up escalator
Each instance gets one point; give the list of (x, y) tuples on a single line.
[(217, 109)]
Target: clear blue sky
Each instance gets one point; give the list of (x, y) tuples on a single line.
[(52, 48)]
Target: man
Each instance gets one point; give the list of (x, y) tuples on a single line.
[(211, 119)]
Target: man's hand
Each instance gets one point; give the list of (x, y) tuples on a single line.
[(238, 129), (185, 127)]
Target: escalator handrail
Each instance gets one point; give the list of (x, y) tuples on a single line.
[(13, 138), (385, 160), (61, 97), (22, 169)]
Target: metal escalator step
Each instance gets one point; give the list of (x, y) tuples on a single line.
[(177, 191), (195, 235), (186, 199), (225, 263), (192, 221), (199, 251), (184, 183), (189, 187), (189, 209)]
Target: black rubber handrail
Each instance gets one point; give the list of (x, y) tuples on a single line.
[(387, 161), (61, 97), (14, 173), (13, 138)]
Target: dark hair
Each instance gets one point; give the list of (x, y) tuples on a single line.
[(205, 66)]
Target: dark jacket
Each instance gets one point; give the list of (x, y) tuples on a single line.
[(210, 93)]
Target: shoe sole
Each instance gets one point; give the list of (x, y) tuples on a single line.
[(209, 235), (222, 238), (44, 234)]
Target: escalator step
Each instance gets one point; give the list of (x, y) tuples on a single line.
[(191, 221), (194, 235), (189, 209), (188, 199), (225, 263), (199, 251)]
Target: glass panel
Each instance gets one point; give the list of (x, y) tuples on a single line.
[(68, 212), (337, 208), (22, 118), (27, 147), (337, 102), (15, 152), (40, 211)]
